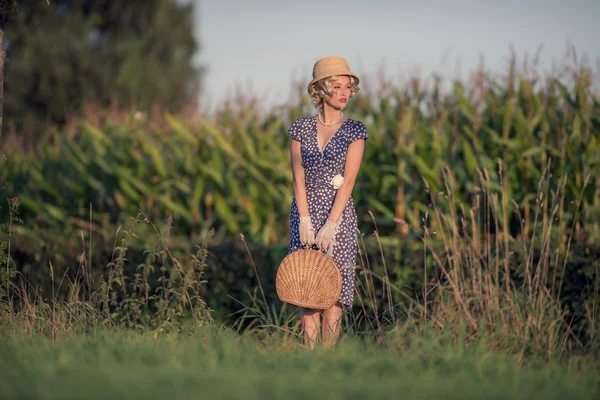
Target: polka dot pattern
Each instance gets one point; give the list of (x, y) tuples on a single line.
[(319, 168)]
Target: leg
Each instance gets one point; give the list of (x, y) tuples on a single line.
[(332, 319), (311, 322)]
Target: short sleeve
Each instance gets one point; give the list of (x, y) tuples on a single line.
[(357, 131), (296, 130)]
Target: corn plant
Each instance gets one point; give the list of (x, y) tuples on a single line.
[(231, 171)]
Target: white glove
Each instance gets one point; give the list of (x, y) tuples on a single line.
[(326, 235), (307, 232)]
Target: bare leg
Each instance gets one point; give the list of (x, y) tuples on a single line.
[(332, 318), (311, 322)]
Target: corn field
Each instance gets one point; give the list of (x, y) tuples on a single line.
[(231, 172)]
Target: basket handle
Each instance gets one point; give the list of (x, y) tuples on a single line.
[(306, 247)]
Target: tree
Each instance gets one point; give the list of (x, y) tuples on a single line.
[(3, 10), (95, 51), (6, 7)]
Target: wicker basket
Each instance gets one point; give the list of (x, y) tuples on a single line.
[(308, 278)]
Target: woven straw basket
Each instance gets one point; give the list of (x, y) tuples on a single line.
[(308, 278)]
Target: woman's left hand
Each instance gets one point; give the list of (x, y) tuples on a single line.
[(326, 235)]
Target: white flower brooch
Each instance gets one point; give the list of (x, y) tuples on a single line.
[(337, 181)]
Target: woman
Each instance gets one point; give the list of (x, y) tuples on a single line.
[(326, 153)]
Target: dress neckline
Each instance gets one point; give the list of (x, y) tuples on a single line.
[(332, 136)]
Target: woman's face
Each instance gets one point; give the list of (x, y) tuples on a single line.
[(340, 92)]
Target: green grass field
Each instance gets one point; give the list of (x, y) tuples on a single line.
[(218, 364)]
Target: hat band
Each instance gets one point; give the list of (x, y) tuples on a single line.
[(332, 72)]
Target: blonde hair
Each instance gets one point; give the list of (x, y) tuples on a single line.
[(320, 91)]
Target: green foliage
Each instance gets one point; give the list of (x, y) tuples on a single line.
[(232, 172), (74, 53), (159, 292), (532, 295), (8, 7)]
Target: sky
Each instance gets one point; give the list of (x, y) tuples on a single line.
[(264, 46)]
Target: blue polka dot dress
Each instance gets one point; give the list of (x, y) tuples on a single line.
[(320, 166)]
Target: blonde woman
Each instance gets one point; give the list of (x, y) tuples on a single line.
[(326, 153)]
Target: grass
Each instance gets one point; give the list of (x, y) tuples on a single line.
[(218, 363)]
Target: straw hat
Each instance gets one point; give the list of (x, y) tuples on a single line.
[(308, 278), (331, 66)]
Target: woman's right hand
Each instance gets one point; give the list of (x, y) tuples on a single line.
[(307, 232)]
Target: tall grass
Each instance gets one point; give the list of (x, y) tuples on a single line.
[(160, 294), (480, 285), (479, 282)]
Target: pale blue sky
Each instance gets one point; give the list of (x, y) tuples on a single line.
[(265, 45)]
